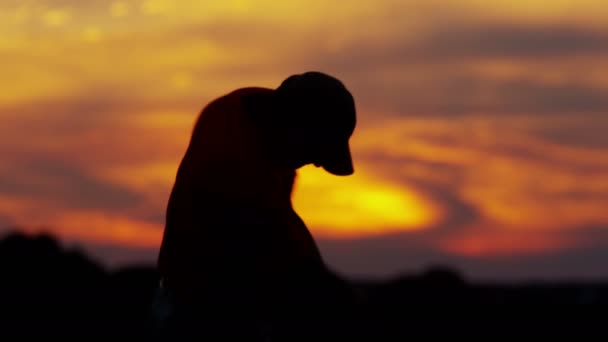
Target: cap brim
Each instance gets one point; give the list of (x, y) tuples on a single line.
[(339, 161)]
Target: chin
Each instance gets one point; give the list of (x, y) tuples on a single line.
[(296, 164)]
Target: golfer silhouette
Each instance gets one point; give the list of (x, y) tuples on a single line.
[(235, 257)]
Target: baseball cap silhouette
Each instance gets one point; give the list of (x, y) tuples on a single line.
[(323, 111)]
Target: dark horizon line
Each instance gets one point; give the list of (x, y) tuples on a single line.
[(431, 271)]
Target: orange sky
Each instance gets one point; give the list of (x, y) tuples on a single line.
[(481, 124)]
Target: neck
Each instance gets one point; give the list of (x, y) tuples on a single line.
[(263, 115)]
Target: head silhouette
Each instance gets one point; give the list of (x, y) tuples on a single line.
[(312, 119)]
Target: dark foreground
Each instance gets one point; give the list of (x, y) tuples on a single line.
[(46, 291)]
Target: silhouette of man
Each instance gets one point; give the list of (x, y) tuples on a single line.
[(235, 255)]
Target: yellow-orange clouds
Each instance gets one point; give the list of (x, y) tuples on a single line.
[(482, 124)]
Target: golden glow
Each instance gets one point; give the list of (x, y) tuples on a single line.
[(56, 17), (358, 204), (22, 14), (107, 228), (143, 176), (119, 9), (91, 34), (181, 80), (152, 7), (241, 6), (113, 88)]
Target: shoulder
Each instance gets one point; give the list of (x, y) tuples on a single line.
[(237, 99), (216, 110), (243, 93), (250, 91)]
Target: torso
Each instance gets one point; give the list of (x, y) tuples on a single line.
[(213, 176)]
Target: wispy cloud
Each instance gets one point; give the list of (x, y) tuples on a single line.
[(482, 124)]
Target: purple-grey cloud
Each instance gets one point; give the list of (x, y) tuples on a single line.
[(68, 186), (587, 132), (5, 222), (455, 41), (391, 255)]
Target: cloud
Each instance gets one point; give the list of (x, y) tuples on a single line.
[(494, 170), (97, 133), (69, 115), (458, 213), (391, 255), (479, 67), (449, 67), (379, 256), (530, 97), (492, 116), (5, 222), (586, 133), (66, 186), (432, 94), (509, 40), (457, 41)]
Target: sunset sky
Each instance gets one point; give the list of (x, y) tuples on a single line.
[(481, 143)]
